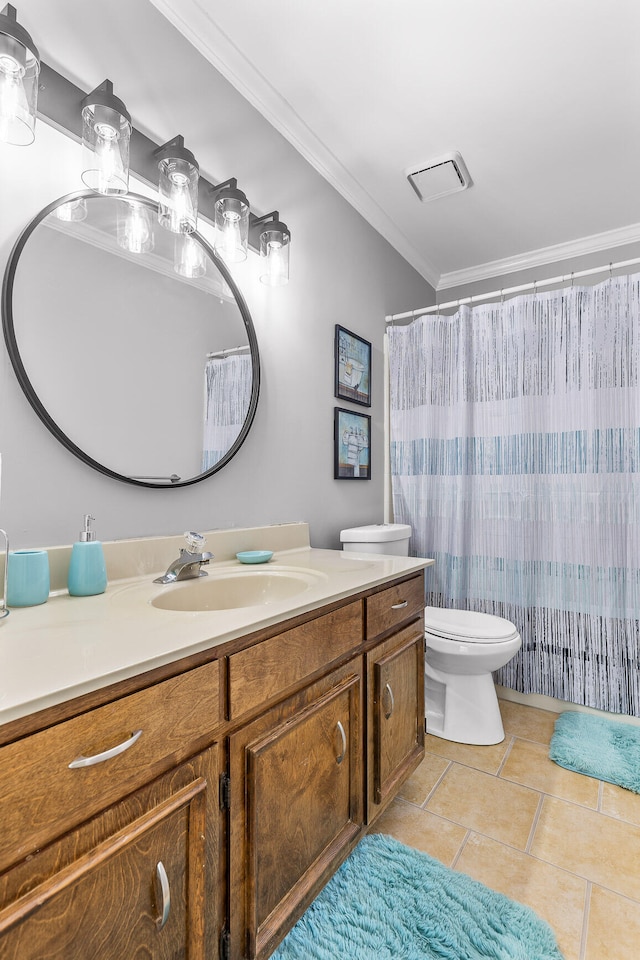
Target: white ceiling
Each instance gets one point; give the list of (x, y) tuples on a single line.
[(541, 98)]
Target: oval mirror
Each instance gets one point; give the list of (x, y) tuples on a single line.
[(133, 345)]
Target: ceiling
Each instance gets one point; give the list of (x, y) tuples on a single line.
[(540, 97)]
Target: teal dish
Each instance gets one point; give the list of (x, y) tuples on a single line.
[(254, 556)]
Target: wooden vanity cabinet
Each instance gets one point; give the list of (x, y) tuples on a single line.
[(197, 814)]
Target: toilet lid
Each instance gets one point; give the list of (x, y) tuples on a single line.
[(468, 625)]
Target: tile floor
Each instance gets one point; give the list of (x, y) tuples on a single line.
[(564, 844)]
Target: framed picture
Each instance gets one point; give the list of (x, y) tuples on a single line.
[(352, 367), (351, 445)]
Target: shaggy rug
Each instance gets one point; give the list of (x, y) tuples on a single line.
[(605, 749), (389, 902)]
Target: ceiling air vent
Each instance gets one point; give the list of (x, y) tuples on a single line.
[(446, 174)]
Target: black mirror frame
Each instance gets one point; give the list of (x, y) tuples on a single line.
[(30, 393)]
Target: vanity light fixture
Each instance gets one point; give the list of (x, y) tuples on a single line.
[(177, 187), (189, 257), (106, 132), (109, 139), (272, 237), (231, 209), (19, 72)]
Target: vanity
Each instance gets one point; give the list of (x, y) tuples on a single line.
[(180, 779)]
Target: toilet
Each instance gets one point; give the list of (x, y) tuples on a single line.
[(462, 648)]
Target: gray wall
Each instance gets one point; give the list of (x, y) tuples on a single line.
[(342, 271)]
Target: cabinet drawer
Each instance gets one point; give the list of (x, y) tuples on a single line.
[(394, 605), (260, 673), (128, 742)]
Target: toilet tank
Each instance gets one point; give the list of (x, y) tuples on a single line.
[(391, 538)]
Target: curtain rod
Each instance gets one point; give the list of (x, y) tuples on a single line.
[(565, 278), (225, 353)]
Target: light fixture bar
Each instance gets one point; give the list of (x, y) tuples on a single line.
[(60, 105)]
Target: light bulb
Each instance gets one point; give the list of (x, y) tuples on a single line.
[(189, 259), (134, 228), (180, 204), (232, 225), (107, 156), (230, 243), (274, 254)]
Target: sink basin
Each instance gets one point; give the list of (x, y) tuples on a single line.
[(230, 591)]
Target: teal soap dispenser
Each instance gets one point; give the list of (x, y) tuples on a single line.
[(87, 570)]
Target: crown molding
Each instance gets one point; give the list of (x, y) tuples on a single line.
[(542, 257), (193, 21)]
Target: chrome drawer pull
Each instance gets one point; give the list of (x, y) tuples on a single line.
[(107, 755), (387, 687), (163, 894), (400, 606), (340, 756)]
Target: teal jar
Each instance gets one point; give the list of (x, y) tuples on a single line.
[(28, 578), (87, 569)]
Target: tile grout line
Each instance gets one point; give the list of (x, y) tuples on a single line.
[(534, 825), (459, 853), (423, 805), (506, 755), (585, 921)]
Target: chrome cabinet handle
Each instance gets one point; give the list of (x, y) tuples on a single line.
[(163, 894), (343, 736), (400, 606), (388, 689), (107, 754)]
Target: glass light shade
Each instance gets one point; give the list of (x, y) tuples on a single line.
[(189, 257), (134, 228), (178, 195), (105, 149), (232, 226), (19, 73), (274, 254), (72, 211)]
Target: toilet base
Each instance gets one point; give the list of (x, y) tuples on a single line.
[(462, 708)]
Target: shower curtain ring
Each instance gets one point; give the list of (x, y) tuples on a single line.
[(502, 295), (572, 279), (610, 270)]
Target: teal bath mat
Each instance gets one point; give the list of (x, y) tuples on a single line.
[(389, 902), (605, 749)]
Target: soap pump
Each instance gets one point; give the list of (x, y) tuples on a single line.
[(87, 570)]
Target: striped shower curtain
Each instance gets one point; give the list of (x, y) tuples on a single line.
[(515, 457), (227, 392)]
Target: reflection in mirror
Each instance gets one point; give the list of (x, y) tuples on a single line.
[(133, 345)]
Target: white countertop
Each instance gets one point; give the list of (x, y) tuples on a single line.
[(74, 645)]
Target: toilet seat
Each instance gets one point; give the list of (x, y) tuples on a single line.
[(467, 625)]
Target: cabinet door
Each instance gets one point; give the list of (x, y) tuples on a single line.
[(395, 680), (296, 807), (142, 892)]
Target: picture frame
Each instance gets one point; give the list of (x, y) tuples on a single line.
[(352, 355), (351, 445)]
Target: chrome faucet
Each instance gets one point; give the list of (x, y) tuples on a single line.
[(188, 566)]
